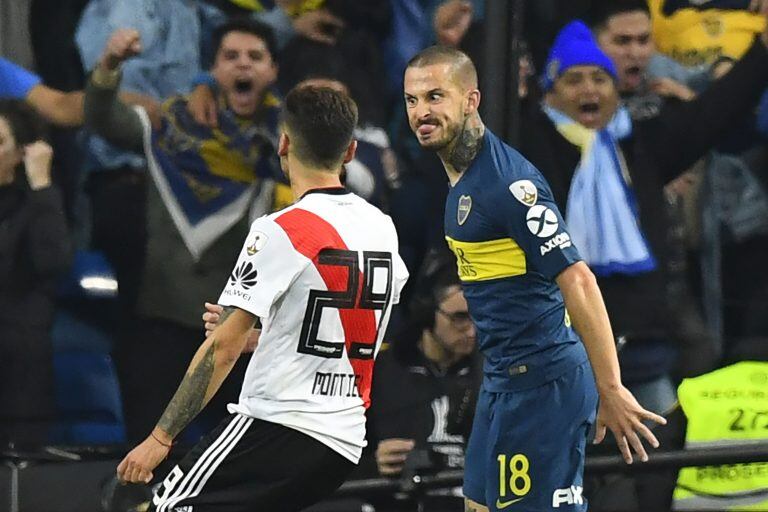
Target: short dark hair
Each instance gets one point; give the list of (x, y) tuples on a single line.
[(249, 26), (26, 125), (320, 121), (438, 54), (602, 10)]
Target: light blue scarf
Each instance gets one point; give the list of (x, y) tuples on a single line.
[(601, 213)]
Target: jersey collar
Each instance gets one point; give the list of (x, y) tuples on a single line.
[(336, 191)]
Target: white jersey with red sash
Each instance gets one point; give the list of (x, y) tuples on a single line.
[(322, 275)]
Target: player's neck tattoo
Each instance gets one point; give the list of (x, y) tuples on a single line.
[(468, 144)]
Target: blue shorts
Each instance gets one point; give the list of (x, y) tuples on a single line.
[(526, 450)]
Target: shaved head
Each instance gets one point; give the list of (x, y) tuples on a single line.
[(463, 71)]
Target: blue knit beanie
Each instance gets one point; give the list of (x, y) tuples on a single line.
[(574, 46)]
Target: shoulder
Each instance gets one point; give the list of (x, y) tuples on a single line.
[(513, 174), (308, 230), (382, 219), (506, 162)]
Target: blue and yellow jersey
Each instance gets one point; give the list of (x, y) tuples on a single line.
[(696, 33), (510, 242)]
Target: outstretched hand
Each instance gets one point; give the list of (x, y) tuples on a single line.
[(620, 413), (138, 466), (201, 104)]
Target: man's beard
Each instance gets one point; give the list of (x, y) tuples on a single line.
[(449, 135)]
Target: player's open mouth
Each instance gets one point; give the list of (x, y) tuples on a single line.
[(633, 71), (589, 108), (243, 85)]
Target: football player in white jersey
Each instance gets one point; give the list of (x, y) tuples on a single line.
[(321, 276)]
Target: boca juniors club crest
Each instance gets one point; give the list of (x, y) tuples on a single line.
[(465, 205)]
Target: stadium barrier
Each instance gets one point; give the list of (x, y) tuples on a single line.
[(45, 482)]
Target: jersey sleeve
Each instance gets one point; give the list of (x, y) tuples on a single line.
[(400, 273), (531, 217), (265, 268)]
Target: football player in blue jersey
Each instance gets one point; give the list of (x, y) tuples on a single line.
[(529, 294)]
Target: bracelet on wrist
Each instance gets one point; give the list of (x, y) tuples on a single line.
[(169, 446)]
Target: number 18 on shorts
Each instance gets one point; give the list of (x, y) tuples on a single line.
[(526, 450)]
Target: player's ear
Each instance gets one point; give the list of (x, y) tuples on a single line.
[(282, 145), (350, 154), (473, 102)]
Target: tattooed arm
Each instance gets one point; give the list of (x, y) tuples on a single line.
[(210, 366), (208, 369), (212, 318)]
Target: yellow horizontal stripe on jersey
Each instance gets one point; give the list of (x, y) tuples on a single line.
[(492, 259)]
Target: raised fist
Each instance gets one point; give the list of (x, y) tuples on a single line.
[(37, 164), (122, 45)]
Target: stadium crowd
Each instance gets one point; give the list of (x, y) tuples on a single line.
[(123, 217)]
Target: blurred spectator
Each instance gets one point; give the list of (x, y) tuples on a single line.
[(354, 57), (321, 21), (728, 201), (372, 174), (170, 36), (62, 110), (607, 172), (34, 251), (696, 32), (23, 35), (115, 179), (732, 213), (413, 28), (623, 32), (544, 19), (203, 182), (423, 396)]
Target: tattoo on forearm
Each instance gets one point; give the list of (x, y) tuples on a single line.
[(228, 310), (466, 148), (190, 397)]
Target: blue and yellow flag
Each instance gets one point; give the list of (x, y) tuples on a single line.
[(208, 178)]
